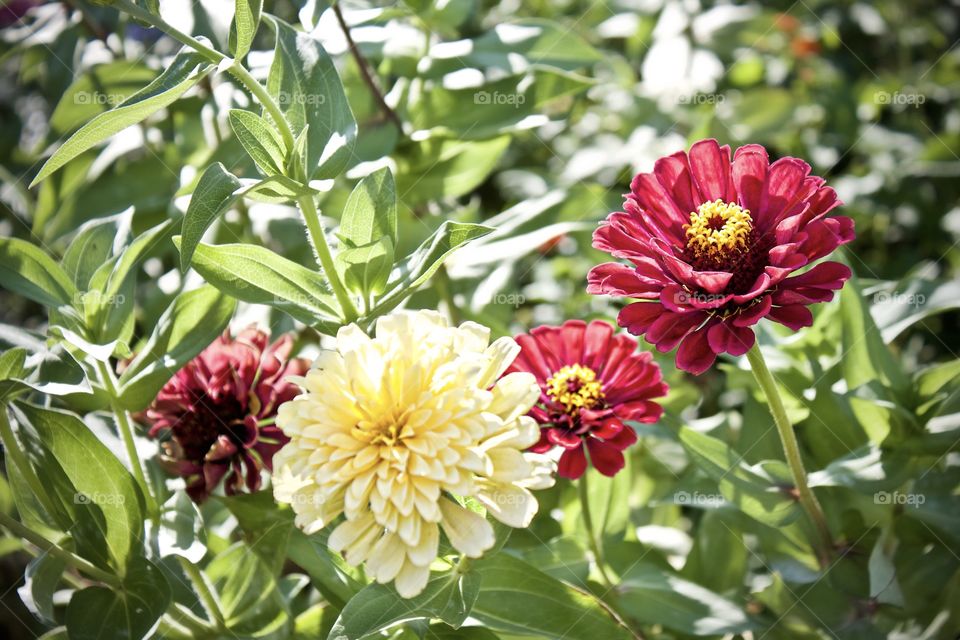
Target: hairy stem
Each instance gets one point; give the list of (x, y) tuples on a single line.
[(125, 428), (325, 258), (791, 450), (54, 549)]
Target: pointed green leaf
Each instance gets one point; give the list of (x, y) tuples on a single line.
[(191, 322), (216, 191), (259, 276), (365, 269), (27, 270), (259, 139), (371, 210), (246, 20), (184, 72), (305, 83)]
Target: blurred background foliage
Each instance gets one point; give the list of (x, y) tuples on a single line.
[(532, 116)]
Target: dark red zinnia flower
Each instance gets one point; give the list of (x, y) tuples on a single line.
[(591, 382), (715, 245), (219, 412)]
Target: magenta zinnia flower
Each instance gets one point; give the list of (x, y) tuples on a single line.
[(715, 245), (219, 411), (591, 382)]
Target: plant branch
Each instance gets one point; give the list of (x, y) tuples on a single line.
[(54, 549), (365, 70), (126, 432), (325, 258), (203, 590), (215, 57), (791, 450), (595, 543)]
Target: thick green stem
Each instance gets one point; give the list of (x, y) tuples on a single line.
[(791, 450), (215, 57), (126, 432), (54, 549), (15, 454), (319, 240), (203, 590), (596, 544)]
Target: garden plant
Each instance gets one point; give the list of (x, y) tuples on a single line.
[(480, 319)]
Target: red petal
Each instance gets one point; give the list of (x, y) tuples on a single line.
[(572, 463)]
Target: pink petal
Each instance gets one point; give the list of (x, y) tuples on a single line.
[(724, 337), (572, 463), (749, 173), (695, 354), (794, 316), (710, 164), (606, 458)]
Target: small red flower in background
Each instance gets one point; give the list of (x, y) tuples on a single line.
[(714, 245), (591, 382), (219, 411)]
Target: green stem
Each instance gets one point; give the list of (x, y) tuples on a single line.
[(126, 432), (445, 289), (215, 57), (791, 450), (53, 549), (13, 451), (593, 538), (319, 240), (203, 590)]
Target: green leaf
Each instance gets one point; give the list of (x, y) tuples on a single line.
[(516, 597), (448, 168), (191, 322), (424, 262), (99, 613), (865, 356), (267, 527), (371, 210), (898, 306), (94, 244), (181, 532), (40, 581), (97, 90), (751, 490), (305, 83), (250, 601), (215, 192), (652, 596), (98, 478), (246, 20), (448, 596), (365, 269), (259, 139), (277, 189), (337, 581), (27, 270), (175, 80), (540, 42), (12, 363), (259, 276)]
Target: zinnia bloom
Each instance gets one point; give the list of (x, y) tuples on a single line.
[(391, 429), (715, 246), (219, 410), (591, 382)]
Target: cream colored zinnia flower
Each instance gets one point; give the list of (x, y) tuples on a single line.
[(389, 429)]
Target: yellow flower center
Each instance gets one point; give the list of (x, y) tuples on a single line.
[(575, 387), (718, 230)]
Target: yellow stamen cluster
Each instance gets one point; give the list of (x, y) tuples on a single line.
[(575, 387), (718, 229)]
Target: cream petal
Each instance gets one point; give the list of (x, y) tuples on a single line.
[(510, 504), (386, 558), (509, 465), (348, 531), (468, 532), (502, 353), (514, 395), (411, 580), (425, 551)]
